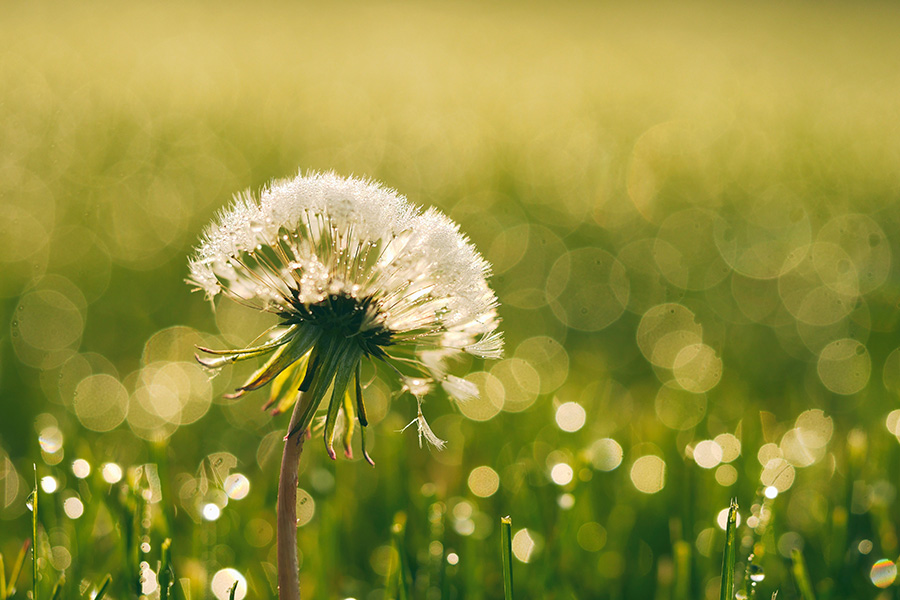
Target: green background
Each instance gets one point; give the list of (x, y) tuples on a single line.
[(738, 163)]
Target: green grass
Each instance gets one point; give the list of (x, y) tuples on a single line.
[(605, 158)]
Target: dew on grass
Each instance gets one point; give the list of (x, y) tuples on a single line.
[(452, 558), (149, 582), (722, 519)]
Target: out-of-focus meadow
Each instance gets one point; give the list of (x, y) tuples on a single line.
[(692, 213)]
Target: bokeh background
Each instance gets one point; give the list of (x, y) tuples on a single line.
[(692, 213)]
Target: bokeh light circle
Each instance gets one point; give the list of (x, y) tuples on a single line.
[(844, 366), (237, 486), (664, 331), (697, 368), (883, 573), (521, 383), (570, 416), (47, 320), (678, 409), (100, 402), (588, 289), (648, 474), (223, 582), (306, 507), (708, 454), (606, 454), (864, 244), (484, 481), (489, 401)]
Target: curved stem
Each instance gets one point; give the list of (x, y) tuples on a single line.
[(288, 568)]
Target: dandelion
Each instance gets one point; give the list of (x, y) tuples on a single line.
[(355, 273)]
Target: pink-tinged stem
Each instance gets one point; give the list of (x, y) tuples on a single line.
[(288, 567)]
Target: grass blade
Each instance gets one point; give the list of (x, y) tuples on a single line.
[(103, 587), (682, 570), (801, 575), (506, 555), (17, 569), (730, 554), (165, 571), (57, 589), (3, 595), (233, 591), (401, 576), (34, 537)]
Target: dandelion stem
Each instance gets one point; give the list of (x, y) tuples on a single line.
[(288, 567)]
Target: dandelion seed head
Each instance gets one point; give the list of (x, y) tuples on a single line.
[(355, 272), (460, 389)]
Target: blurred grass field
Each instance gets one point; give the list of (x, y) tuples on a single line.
[(692, 213)]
